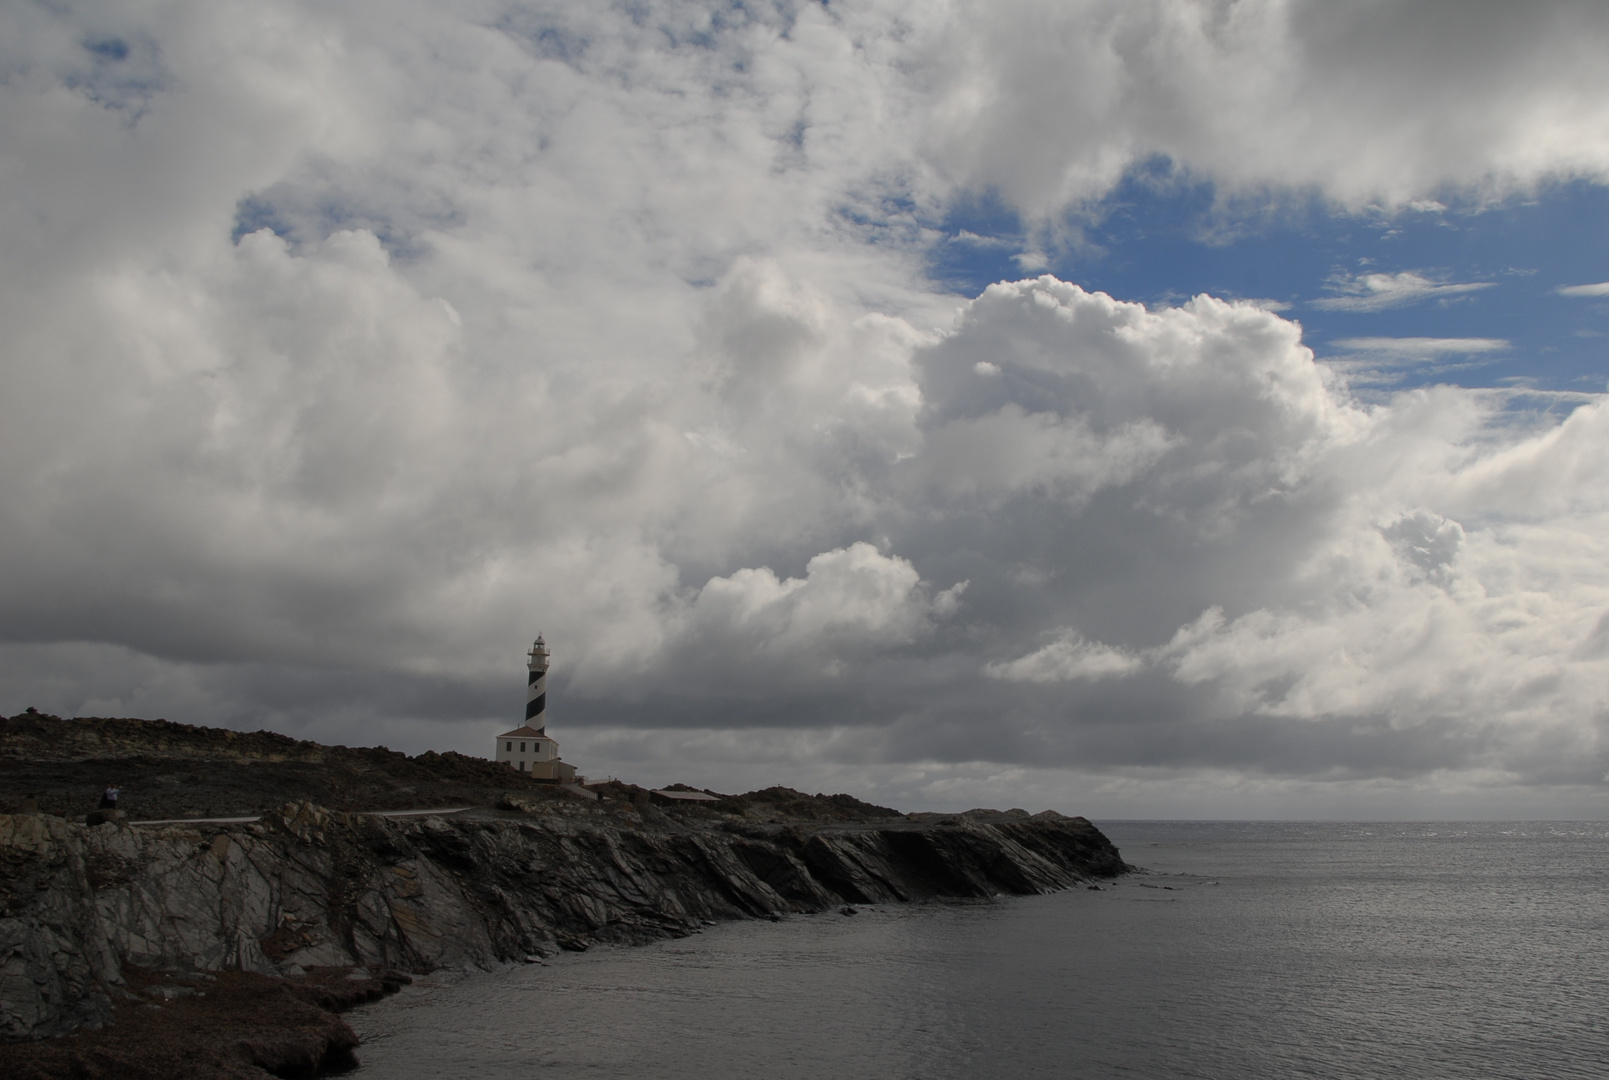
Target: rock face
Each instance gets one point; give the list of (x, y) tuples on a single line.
[(307, 888)]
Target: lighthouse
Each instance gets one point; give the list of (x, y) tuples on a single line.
[(527, 748)]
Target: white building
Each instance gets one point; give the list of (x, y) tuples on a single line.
[(528, 750)]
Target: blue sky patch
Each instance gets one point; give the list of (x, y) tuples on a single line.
[(1430, 294)]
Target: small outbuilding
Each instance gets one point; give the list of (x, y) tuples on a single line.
[(681, 798)]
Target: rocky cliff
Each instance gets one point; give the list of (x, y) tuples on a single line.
[(305, 887), (196, 950)]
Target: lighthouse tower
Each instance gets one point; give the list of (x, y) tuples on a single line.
[(536, 687), (527, 748)]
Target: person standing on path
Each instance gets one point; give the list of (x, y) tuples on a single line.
[(109, 797)]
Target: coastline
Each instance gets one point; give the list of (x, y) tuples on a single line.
[(316, 907), (308, 889)]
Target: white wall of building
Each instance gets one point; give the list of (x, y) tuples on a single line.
[(522, 753)]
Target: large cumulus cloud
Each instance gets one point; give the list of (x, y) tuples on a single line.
[(348, 346)]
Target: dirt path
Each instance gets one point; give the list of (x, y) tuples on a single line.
[(259, 817)]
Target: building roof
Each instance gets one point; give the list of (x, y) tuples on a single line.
[(690, 796), (526, 732)]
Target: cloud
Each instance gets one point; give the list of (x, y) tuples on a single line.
[(1377, 292), (1067, 658), (1422, 347), (1373, 104), (348, 347), (1383, 361), (1093, 394), (971, 239), (852, 603), (1600, 289)]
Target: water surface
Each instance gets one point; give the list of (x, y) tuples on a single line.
[(1248, 950)]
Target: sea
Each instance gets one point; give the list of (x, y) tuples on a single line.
[(1244, 949)]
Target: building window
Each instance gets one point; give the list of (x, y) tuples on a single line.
[(508, 746), (522, 748)]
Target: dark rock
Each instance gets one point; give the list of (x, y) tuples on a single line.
[(244, 1026)]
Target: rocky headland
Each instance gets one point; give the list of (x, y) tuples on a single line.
[(251, 935)]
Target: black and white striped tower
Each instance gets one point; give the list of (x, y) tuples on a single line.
[(536, 688)]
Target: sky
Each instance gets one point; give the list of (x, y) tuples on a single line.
[(1132, 408)]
